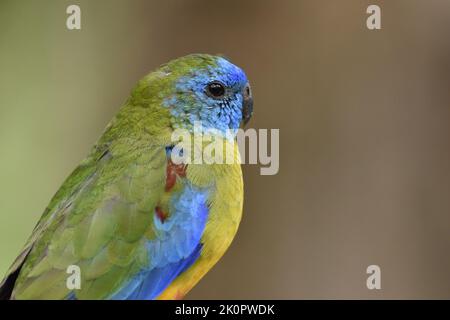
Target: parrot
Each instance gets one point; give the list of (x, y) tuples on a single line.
[(138, 225)]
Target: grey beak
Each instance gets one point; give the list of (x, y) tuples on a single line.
[(247, 107)]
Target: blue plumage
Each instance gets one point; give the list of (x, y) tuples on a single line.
[(217, 114), (175, 249)]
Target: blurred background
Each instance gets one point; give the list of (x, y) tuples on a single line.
[(364, 119)]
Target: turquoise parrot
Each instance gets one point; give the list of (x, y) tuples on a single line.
[(137, 224)]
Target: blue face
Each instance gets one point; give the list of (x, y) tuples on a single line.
[(218, 96)]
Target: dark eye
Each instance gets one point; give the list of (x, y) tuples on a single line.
[(215, 89)]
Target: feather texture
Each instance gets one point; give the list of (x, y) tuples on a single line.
[(138, 226)]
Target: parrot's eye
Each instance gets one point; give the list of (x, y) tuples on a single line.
[(215, 89)]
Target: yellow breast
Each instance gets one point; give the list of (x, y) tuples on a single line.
[(225, 212)]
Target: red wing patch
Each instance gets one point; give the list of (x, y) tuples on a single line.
[(172, 171), (162, 216)]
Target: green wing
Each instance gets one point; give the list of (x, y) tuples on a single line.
[(99, 220)]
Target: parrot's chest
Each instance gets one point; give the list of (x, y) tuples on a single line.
[(210, 203), (207, 201), (224, 200)]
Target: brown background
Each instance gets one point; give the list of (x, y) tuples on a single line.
[(363, 116)]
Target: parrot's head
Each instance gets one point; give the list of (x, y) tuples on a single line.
[(203, 89)]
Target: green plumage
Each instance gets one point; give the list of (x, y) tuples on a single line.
[(100, 217), (100, 223)]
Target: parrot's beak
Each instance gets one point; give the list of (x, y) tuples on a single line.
[(247, 105)]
